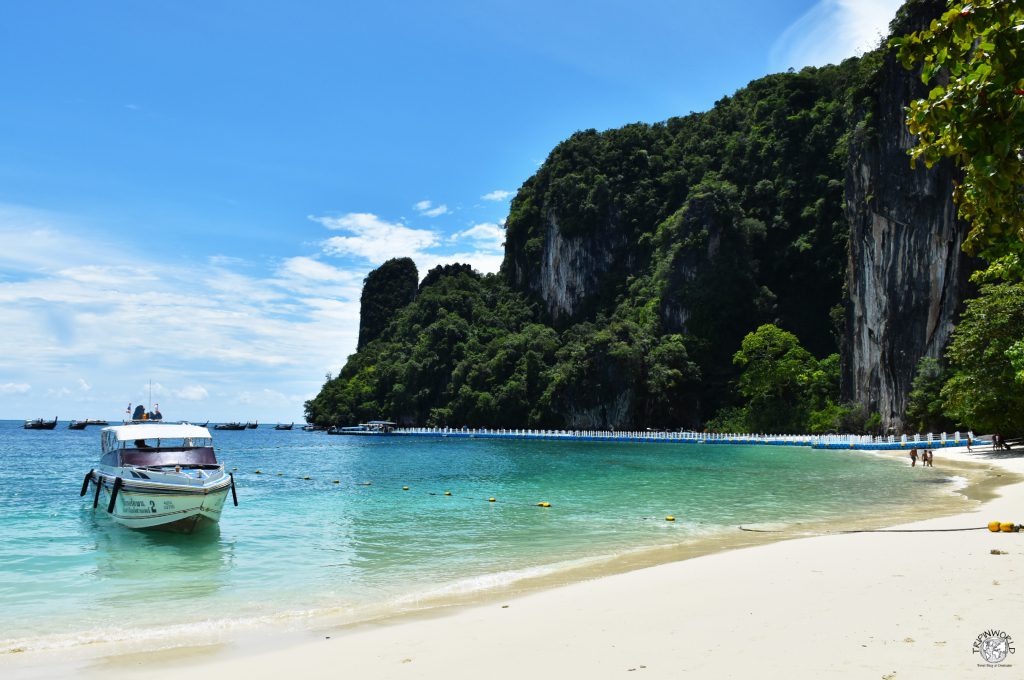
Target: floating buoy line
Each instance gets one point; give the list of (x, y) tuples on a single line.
[(993, 526)]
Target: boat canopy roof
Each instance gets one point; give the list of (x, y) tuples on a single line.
[(124, 433)]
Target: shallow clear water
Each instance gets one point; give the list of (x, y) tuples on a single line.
[(69, 575)]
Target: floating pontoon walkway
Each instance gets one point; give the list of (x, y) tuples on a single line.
[(928, 441)]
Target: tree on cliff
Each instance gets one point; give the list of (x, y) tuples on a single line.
[(974, 114), (386, 289)]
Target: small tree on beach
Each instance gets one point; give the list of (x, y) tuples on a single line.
[(925, 404), (784, 385)]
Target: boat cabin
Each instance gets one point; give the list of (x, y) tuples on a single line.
[(152, 445)]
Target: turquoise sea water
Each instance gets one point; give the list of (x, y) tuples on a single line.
[(363, 547)]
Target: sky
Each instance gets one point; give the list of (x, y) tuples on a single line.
[(191, 192)]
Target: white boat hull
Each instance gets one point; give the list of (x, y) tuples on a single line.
[(142, 504)]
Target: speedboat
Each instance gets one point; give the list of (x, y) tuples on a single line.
[(160, 475), (374, 427), (40, 424)]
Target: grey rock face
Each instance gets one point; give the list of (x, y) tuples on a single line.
[(572, 268), (907, 276)]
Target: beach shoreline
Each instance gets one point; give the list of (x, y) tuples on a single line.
[(672, 618)]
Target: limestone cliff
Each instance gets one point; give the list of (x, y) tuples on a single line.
[(907, 276)]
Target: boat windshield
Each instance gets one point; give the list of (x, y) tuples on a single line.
[(113, 443)]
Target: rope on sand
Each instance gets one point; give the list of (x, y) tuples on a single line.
[(868, 531)]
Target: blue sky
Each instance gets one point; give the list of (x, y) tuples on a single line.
[(192, 192)]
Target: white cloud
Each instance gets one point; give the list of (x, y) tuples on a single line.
[(486, 235), (485, 263), (81, 303), (264, 396), (425, 208), (375, 239), (193, 393), (315, 270), (496, 195), (832, 31)]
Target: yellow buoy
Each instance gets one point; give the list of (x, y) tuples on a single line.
[(307, 477), (544, 504), (405, 488), (1006, 526), (258, 472), (447, 493), (994, 526), (491, 499), (670, 518), (234, 468)]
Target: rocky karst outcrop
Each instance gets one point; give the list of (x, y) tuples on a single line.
[(907, 276)]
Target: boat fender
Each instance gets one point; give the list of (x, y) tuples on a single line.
[(113, 494), (96, 496), (994, 526), (85, 482), (234, 494)]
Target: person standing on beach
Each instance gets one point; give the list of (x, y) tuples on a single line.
[(913, 457), (929, 456)]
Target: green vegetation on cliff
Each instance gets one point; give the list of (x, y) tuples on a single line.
[(386, 289), (691, 233)]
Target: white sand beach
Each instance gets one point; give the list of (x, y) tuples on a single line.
[(861, 605)]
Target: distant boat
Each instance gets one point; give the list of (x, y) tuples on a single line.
[(310, 427), (82, 424), (279, 426), (252, 426), (372, 428), (40, 424), (229, 426), (203, 424)]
